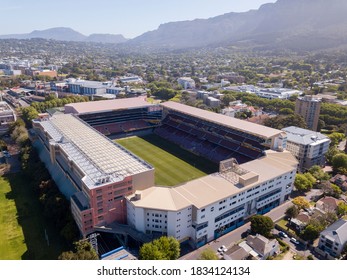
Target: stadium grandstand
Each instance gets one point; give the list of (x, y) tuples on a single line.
[(112, 190), (118, 118), (94, 172), (217, 137)]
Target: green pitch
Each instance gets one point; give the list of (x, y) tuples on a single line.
[(172, 164)]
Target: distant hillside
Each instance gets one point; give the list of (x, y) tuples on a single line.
[(294, 24), (67, 34), (106, 38)]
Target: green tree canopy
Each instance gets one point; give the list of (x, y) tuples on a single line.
[(208, 254), (318, 173), (282, 121), (292, 212), (332, 151), (341, 209), (339, 163), (83, 251), (336, 137), (310, 232), (164, 248), (304, 182), (262, 225)]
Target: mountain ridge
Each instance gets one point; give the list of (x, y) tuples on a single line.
[(299, 25), (68, 34), (285, 23)]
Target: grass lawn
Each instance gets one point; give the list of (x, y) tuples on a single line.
[(23, 225), (12, 243), (172, 164)]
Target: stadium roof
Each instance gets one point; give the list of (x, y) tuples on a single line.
[(105, 105), (241, 125), (101, 160), (212, 188)]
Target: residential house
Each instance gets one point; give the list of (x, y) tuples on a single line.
[(263, 246), (327, 204), (340, 180), (236, 252)]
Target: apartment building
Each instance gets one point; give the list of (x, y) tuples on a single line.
[(309, 108), (309, 147), (333, 239), (186, 82)]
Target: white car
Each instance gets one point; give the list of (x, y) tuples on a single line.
[(293, 240), (222, 249)]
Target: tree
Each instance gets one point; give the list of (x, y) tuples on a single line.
[(292, 212), (227, 98), (310, 232), (341, 209), (164, 248), (332, 151), (286, 111), (301, 202), (336, 137), (28, 114), (330, 189), (83, 251), (282, 121), (318, 173), (262, 225), (303, 182), (208, 254), (339, 163)]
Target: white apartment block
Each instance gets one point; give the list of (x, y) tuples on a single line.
[(186, 82), (206, 208), (309, 147)]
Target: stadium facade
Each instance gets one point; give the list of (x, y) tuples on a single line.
[(94, 172), (107, 184), (206, 208)]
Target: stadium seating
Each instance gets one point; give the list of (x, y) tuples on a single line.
[(209, 140)]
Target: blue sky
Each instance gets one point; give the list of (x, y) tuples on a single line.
[(128, 17)]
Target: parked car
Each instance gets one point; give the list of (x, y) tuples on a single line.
[(222, 249), (282, 234), (293, 240)]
